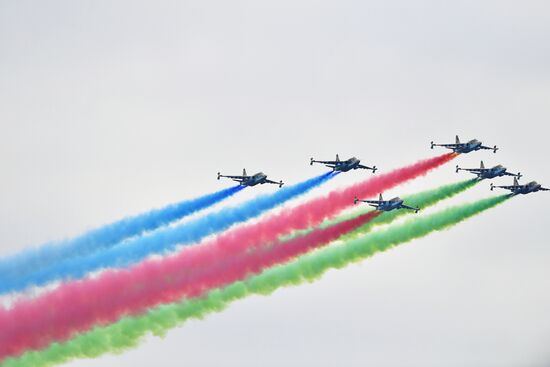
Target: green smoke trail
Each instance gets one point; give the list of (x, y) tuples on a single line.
[(422, 200), (129, 331)]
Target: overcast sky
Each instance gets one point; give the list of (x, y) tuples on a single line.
[(110, 108)]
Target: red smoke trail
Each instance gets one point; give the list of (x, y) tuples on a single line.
[(34, 323)]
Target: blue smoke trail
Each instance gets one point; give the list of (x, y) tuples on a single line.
[(104, 237), (164, 239)]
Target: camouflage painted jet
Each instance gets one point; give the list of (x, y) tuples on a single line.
[(344, 166), (483, 173), (516, 188), (259, 178), (387, 205), (468, 147)]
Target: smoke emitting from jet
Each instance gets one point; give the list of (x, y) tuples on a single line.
[(128, 332), (311, 213), (307, 214), (169, 279), (32, 260)]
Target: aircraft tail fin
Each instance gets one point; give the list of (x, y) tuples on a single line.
[(337, 158), (481, 165), (516, 183), (457, 140), (244, 172), (380, 197)]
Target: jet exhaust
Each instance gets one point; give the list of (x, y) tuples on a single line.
[(127, 333)]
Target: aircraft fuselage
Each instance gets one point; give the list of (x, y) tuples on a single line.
[(496, 171), (258, 178), (468, 147), (527, 188), (390, 205), (347, 165)]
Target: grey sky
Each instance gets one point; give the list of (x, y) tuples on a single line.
[(112, 108)]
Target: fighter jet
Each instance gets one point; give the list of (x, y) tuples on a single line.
[(387, 205), (344, 166), (516, 188), (468, 147), (245, 180), (483, 173)]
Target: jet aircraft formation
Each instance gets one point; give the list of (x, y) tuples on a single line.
[(226, 254), (354, 163)]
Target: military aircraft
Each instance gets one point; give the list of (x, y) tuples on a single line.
[(468, 147), (387, 205), (245, 180), (483, 173), (516, 188), (344, 166)]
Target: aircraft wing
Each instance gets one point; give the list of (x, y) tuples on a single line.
[(518, 175), (366, 167), (374, 201), (475, 170), (327, 162), (506, 187), (448, 145), (280, 183), (494, 149), (544, 189), (408, 207), (234, 177)]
